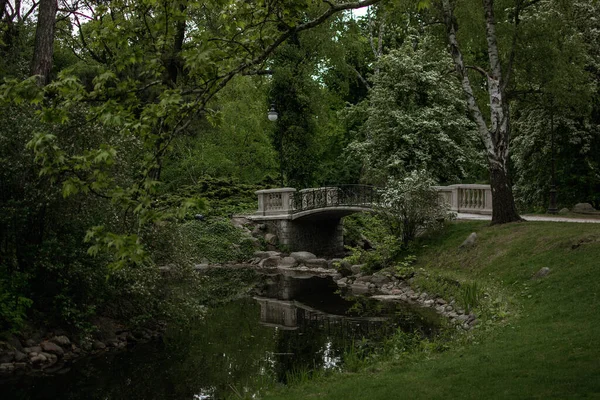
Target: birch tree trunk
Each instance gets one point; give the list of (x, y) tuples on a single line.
[(496, 134), (44, 41)]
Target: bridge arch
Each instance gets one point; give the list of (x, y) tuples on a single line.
[(311, 219)]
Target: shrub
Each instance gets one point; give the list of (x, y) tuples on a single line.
[(411, 206)]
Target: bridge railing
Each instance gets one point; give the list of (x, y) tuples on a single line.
[(335, 196), (467, 198), (289, 200)]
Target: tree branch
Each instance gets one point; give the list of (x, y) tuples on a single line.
[(482, 71)]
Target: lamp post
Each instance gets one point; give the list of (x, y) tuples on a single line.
[(552, 208), (272, 114)]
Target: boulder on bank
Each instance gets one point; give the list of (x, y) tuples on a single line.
[(584, 208), (357, 269), (302, 256), (271, 239), (344, 268), (287, 262), (271, 262), (52, 348), (265, 254), (469, 242), (542, 273), (316, 263)]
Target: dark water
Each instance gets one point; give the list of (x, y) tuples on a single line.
[(291, 325)]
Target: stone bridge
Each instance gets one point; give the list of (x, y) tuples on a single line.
[(311, 219)]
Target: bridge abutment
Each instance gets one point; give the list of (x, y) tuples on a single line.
[(324, 237)]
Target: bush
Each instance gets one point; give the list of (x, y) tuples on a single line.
[(411, 206)]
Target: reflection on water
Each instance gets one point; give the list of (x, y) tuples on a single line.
[(290, 325)]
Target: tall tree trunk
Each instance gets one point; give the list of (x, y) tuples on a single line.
[(175, 64), (495, 137), (44, 41)]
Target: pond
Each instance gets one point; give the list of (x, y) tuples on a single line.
[(291, 325)]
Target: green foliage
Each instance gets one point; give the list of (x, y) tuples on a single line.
[(470, 295), (13, 305), (385, 254)]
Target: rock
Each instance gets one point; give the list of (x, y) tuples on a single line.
[(380, 279), (270, 262), (462, 318), (469, 242), (240, 222), (428, 303), (38, 359), (302, 256), (255, 242), (584, 208), (15, 342), (271, 239), (344, 268), (287, 262), (542, 273), (564, 211), (201, 267), (7, 367), (98, 345), (366, 278), (333, 263), (359, 288), (19, 356), (53, 348), (342, 281), (449, 308), (30, 343), (441, 301), (316, 263), (7, 357), (49, 357), (357, 269), (61, 341), (265, 254)]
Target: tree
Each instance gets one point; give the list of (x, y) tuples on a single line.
[(146, 88), (295, 135), (495, 135), (44, 41)]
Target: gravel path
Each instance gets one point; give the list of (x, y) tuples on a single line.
[(480, 217)]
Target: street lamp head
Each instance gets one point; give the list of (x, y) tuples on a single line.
[(272, 114)]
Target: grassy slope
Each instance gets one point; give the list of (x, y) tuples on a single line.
[(550, 350)]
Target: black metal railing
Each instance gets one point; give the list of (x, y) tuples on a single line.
[(335, 196)]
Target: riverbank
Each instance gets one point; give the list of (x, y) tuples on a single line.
[(544, 344)]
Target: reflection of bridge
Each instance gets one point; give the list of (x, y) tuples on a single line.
[(310, 219), (292, 314)]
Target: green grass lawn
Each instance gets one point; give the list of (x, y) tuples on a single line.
[(547, 347)]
